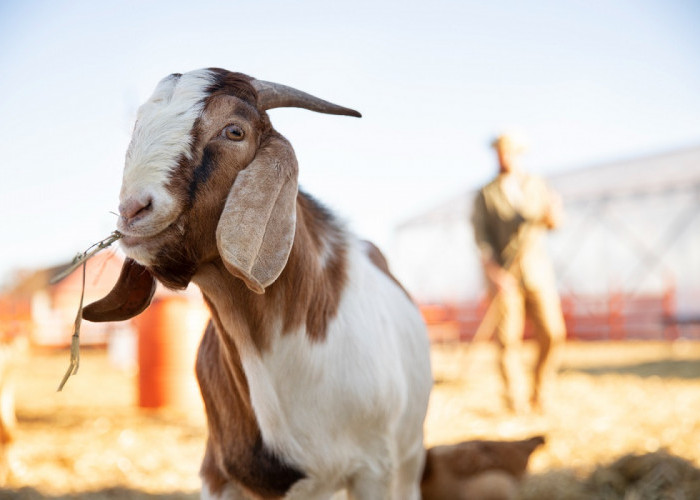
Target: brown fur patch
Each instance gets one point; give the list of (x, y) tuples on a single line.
[(315, 275), (233, 84)]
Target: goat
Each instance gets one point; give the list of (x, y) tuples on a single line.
[(477, 470), (314, 369)]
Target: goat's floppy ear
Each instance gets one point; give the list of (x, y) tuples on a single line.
[(256, 229), (129, 297)]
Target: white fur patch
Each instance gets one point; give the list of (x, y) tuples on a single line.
[(162, 134)]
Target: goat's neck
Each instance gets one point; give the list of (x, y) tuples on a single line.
[(306, 294), (237, 312)]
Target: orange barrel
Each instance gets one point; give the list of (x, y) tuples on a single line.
[(169, 331)]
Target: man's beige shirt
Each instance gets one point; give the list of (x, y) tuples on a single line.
[(507, 226)]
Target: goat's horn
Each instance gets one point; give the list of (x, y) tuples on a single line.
[(274, 95)]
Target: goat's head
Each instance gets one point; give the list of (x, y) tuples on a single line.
[(206, 177)]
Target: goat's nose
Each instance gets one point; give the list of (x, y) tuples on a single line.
[(135, 206)]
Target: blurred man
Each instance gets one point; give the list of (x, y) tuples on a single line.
[(511, 216)]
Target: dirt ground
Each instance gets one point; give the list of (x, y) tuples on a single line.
[(92, 442)]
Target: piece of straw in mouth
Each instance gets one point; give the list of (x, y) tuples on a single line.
[(80, 260), (83, 257)]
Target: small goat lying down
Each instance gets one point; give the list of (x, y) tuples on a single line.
[(315, 368), (477, 470)]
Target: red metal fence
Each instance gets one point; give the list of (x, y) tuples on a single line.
[(615, 316)]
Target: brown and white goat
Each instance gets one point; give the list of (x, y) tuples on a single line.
[(315, 368), (477, 470)]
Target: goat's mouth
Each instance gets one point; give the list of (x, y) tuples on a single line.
[(131, 241), (142, 249)]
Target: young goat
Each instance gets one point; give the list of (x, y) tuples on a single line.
[(315, 368), (477, 470)]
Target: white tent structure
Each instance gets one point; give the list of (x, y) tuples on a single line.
[(632, 229)]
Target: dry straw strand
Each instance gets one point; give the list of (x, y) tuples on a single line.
[(80, 259)]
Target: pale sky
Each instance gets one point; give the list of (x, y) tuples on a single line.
[(586, 82)]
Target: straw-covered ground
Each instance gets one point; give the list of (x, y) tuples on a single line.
[(637, 403)]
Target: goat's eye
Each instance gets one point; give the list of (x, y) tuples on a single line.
[(233, 133)]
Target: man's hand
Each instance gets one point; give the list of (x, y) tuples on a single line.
[(554, 212), (501, 279)]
